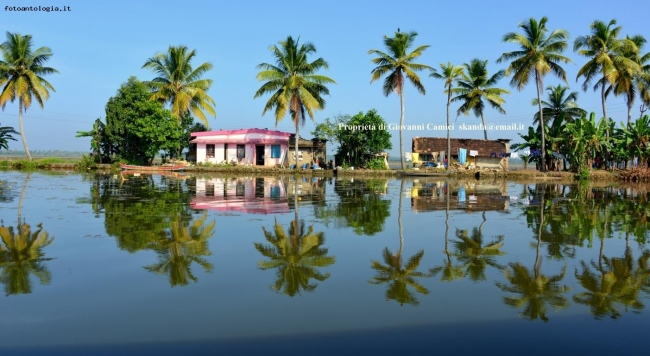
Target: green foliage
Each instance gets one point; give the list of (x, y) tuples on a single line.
[(180, 84), (376, 163), (137, 129), (584, 174), (5, 135), (476, 86), (360, 136), (21, 76), (86, 163)]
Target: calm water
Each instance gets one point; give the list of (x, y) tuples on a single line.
[(240, 265)]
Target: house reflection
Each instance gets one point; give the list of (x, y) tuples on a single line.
[(255, 195), (429, 195)]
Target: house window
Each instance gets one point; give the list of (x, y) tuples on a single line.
[(225, 152), (275, 151), (241, 152), (209, 151)]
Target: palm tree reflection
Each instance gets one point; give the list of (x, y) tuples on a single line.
[(180, 246), (475, 256), (296, 256), (21, 255), (534, 290), (618, 282), (399, 278)]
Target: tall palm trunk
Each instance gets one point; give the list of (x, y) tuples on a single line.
[(401, 127), (399, 219), (447, 225), (448, 152), (22, 197), (296, 140), (603, 100), (538, 261), (484, 127), (629, 102), (22, 129), (538, 83)]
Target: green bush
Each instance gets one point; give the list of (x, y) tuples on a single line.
[(86, 163), (376, 164)]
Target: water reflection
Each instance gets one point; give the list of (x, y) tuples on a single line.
[(473, 255), (362, 205), (613, 283), (400, 278), (21, 255), (256, 195), (533, 289), (296, 256), (431, 195), (183, 244), (151, 212), (449, 271)]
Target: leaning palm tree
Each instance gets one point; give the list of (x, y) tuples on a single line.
[(296, 256), (395, 64), (606, 56), (293, 83), (475, 86), (539, 54), (21, 76), (558, 103), (449, 74), (180, 84), (181, 246)]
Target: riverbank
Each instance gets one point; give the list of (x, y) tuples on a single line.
[(527, 174)]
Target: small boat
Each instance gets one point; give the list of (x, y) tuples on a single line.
[(165, 168)]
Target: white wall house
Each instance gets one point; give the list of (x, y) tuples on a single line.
[(257, 147)]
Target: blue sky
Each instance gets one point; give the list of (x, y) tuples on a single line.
[(98, 45)]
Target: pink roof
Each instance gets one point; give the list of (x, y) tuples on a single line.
[(258, 141), (251, 206), (240, 131)]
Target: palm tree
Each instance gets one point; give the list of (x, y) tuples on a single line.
[(475, 86), (538, 55), (182, 245), (395, 65), (180, 84), (559, 103), (293, 83), (399, 278), (450, 74), (630, 80), (5, 135), (606, 56), (296, 255), (21, 76)]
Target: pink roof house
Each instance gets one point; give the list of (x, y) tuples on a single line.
[(257, 147)]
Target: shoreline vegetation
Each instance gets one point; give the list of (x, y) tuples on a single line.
[(71, 164)]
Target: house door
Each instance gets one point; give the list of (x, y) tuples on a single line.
[(259, 155)]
